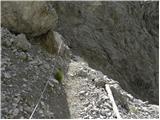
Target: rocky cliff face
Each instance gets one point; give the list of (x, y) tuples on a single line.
[(118, 38), (88, 99)]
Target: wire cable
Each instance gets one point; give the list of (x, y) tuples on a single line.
[(44, 87)]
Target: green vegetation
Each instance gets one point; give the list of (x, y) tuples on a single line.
[(133, 110), (59, 75), (114, 16)]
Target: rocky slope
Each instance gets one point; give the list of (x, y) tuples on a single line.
[(89, 100), (25, 70), (122, 46), (118, 38)]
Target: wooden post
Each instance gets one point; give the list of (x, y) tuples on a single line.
[(115, 108)]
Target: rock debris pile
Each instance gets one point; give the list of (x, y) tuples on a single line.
[(89, 101), (25, 70)]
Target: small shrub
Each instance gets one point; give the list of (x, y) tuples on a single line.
[(59, 75), (133, 110)]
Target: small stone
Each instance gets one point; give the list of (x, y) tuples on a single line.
[(17, 94), (22, 56), (108, 105), (51, 84), (86, 103), (129, 96), (82, 113), (22, 43), (40, 62), (7, 42), (7, 75), (92, 87), (82, 73), (104, 98), (15, 50), (103, 112), (4, 110), (2, 68), (94, 111), (33, 62), (14, 105), (27, 109), (81, 97), (109, 114), (82, 92), (70, 74), (155, 107), (24, 85), (29, 57), (40, 111), (99, 103), (21, 117), (145, 102), (87, 93), (53, 80), (14, 74), (16, 111), (86, 117), (21, 108), (138, 101), (42, 103), (25, 80), (47, 66), (10, 111), (10, 85), (3, 97), (90, 117), (11, 40)]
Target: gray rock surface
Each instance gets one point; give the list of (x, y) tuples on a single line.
[(118, 38), (22, 43), (24, 75), (53, 42), (32, 18), (88, 101)]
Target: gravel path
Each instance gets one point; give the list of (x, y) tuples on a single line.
[(73, 86), (84, 99), (87, 100)]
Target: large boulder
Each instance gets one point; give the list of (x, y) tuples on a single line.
[(31, 18), (53, 42)]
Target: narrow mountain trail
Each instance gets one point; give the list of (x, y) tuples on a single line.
[(73, 86), (83, 97), (88, 99)]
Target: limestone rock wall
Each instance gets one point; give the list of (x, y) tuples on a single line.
[(118, 38)]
